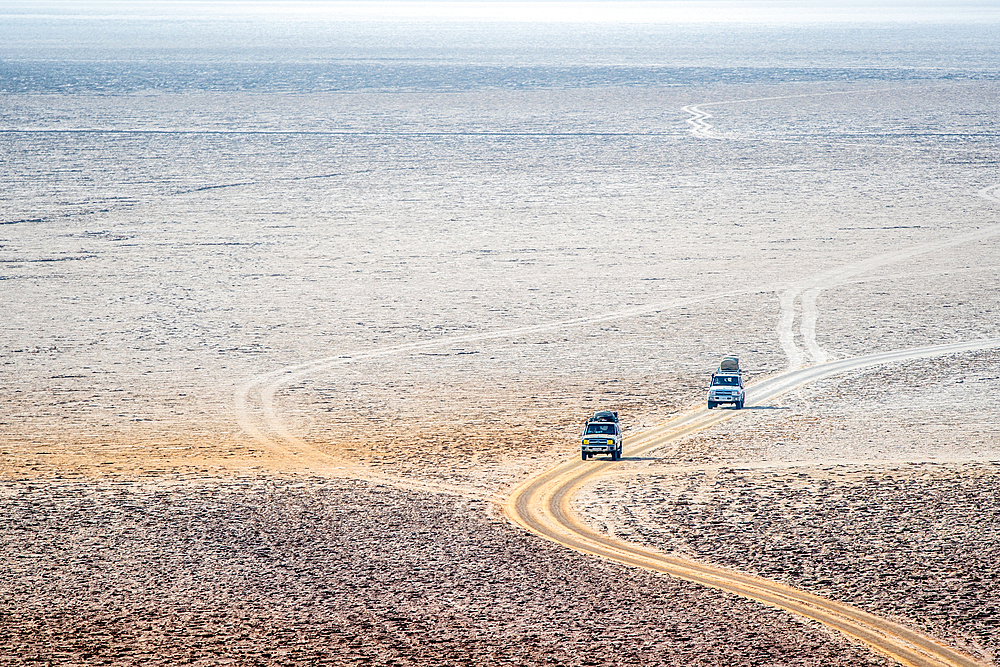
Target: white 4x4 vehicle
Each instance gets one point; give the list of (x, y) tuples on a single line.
[(602, 435), (727, 384)]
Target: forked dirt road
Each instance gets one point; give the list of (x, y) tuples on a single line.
[(333, 550), (542, 506)]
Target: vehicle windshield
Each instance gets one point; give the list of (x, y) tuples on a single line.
[(601, 429), (725, 381)]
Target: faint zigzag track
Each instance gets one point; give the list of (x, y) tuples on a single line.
[(257, 414), (542, 505), (700, 127), (991, 193)]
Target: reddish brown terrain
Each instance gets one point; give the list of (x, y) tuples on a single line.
[(271, 363)]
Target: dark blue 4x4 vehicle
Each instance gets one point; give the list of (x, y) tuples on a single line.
[(602, 435)]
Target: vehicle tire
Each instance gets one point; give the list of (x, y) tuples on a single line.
[(739, 405), (584, 455), (711, 405)]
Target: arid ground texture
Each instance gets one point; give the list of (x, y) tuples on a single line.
[(275, 348)]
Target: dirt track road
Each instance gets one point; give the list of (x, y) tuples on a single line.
[(542, 506)]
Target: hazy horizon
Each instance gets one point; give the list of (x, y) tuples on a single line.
[(550, 11), (125, 48)]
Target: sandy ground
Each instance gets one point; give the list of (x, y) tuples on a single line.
[(883, 501), (200, 328)]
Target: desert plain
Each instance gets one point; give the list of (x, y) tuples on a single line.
[(272, 362)]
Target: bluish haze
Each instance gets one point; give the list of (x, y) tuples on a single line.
[(122, 48)]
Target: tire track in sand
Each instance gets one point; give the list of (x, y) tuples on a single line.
[(255, 401), (542, 505), (807, 293), (257, 413)]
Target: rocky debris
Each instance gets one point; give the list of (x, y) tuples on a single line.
[(915, 542), (334, 572)]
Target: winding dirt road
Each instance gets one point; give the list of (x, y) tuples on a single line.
[(542, 506)]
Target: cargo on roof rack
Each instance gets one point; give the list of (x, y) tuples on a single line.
[(604, 416), (729, 365)]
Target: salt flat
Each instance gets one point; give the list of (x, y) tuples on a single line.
[(220, 302)]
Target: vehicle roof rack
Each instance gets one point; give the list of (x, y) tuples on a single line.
[(729, 365), (603, 416)]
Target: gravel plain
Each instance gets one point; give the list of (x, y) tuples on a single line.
[(206, 291), (851, 488), (312, 571)]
